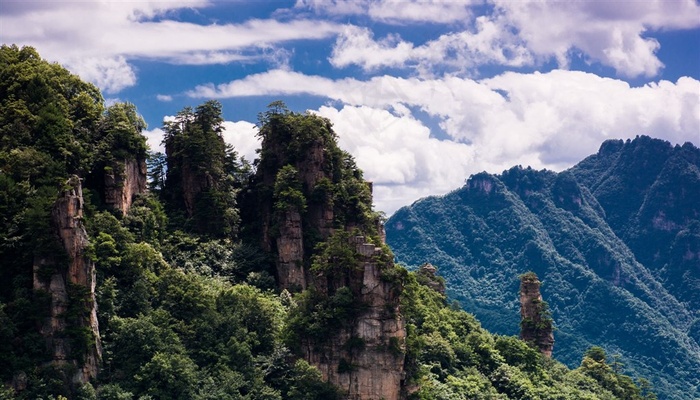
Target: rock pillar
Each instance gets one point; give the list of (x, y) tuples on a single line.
[(70, 282), (535, 320)]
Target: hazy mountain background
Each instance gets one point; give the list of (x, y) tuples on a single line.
[(615, 239)]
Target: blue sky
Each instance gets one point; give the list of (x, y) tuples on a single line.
[(423, 93)]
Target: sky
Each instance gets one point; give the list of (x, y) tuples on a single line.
[(423, 93)]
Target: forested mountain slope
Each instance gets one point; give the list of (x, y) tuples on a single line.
[(614, 239), (650, 192), (221, 279)]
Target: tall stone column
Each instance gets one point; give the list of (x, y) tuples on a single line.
[(535, 320), (70, 284)]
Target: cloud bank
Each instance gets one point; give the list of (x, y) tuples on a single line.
[(465, 35), (520, 33)]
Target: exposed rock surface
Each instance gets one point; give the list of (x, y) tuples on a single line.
[(427, 274), (123, 182), (536, 324), (365, 360), (290, 252), (364, 355), (289, 241), (70, 282)]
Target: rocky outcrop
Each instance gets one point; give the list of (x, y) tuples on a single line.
[(123, 180), (366, 359), (192, 185), (314, 216), (318, 216), (71, 330), (536, 323), (427, 275), (290, 253)]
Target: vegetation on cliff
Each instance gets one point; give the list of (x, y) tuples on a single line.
[(614, 239), (190, 300)]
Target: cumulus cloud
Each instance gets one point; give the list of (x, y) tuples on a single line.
[(243, 136), (154, 139), (240, 134), (612, 33), (544, 120), (109, 74), (397, 153), (524, 33), (112, 34), (488, 43)]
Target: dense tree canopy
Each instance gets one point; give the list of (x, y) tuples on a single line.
[(614, 239), (186, 308)]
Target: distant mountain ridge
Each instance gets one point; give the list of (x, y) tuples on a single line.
[(659, 218), (615, 239)]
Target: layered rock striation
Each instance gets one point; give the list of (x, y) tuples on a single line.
[(364, 358), (123, 180), (314, 211), (71, 329)]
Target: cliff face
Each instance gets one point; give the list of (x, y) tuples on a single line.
[(70, 282), (366, 358), (536, 324), (290, 253), (316, 221), (123, 181), (192, 185), (318, 215)]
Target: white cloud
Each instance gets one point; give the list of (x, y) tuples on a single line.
[(111, 34), (209, 58), (549, 120), (243, 136), (334, 7), (110, 74), (356, 46), (164, 97), (458, 52), (521, 33), (393, 11), (612, 33), (154, 137), (401, 11), (240, 134), (397, 153)]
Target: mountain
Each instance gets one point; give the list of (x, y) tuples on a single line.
[(614, 239), (218, 279), (650, 192)]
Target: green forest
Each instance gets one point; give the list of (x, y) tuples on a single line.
[(197, 274), (615, 240)]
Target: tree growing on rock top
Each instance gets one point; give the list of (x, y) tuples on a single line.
[(536, 324), (199, 179)]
